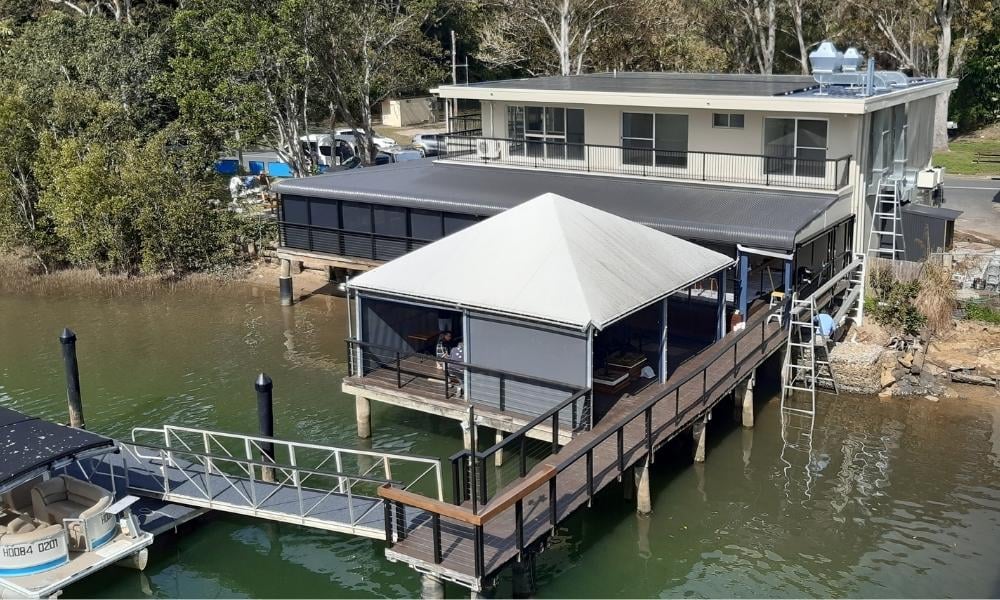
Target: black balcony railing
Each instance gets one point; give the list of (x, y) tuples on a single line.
[(717, 167), (357, 244)]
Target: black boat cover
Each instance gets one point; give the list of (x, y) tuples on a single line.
[(28, 444)]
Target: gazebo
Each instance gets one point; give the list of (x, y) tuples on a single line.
[(552, 289)]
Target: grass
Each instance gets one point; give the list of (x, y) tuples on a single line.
[(959, 160), (979, 311)]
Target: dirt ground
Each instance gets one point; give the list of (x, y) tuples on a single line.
[(969, 344)]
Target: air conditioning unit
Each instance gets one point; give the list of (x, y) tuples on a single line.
[(488, 149), (928, 179)]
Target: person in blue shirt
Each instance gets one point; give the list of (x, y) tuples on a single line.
[(825, 324)]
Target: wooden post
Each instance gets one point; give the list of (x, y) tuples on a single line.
[(748, 401), (699, 430), (265, 422), (68, 341)]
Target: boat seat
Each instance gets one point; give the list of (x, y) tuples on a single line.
[(18, 500), (23, 525), (66, 497)]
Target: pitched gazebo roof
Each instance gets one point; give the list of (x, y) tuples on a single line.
[(549, 259)]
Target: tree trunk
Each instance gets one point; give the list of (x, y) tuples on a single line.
[(565, 64), (796, 6), (943, 16)]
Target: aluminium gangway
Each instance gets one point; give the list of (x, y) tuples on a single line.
[(322, 487)]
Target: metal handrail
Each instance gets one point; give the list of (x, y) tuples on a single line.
[(472, 366), (464, 145)]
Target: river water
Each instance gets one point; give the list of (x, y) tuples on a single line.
[(894, 498)]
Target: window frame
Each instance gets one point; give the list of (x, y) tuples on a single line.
[(729, 120), (553, 143)]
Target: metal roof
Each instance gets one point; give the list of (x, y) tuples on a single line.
[(28, 444), (731, 215), (549, 259), (722, 84)]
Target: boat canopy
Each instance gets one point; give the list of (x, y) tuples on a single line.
[(549, 259), (29, 444)]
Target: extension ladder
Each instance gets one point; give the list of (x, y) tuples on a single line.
[(804, 368), (886, 237)]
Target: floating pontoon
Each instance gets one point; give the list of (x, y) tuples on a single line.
[(55, 528)]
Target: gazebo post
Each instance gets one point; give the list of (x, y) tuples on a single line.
[(720, 330), (664, 337)]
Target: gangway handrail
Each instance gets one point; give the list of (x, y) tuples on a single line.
[(305, 445), (267, 464), (858, 261)]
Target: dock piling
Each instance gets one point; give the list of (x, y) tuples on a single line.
[(363, 411), (523, 576), (431, 587), (644, 502), (285, 283), (747, 400), (265, 421), (700, 432), (68, 341)]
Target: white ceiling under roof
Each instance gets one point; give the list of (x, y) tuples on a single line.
[(549, 259)]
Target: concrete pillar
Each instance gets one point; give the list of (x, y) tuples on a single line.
[(642, 526), (699, 429), (466, 435), (748, 401), (431, 587), (285, 283), (498, 457), (297, 267), (644, 502), (363, 410), (523, 576)]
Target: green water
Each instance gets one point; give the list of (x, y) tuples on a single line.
[(897, 498)]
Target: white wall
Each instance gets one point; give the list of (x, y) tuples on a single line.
[(602, 125)]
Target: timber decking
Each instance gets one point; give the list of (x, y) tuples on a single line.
[(691, 400)]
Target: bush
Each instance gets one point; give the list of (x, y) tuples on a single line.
[(893, 303), (936, 298)]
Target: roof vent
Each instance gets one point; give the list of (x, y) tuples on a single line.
[(826, 58), (852, 60)]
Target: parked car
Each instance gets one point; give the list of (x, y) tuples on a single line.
[(381, 142), (328, 150), (430, 144), (397, 154)]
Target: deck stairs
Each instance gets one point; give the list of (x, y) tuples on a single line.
[(886, 239), (322, 487), (807, 360)]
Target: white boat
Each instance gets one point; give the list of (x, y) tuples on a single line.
[(57, 528)]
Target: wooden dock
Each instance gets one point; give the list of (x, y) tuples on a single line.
[(469, 545)]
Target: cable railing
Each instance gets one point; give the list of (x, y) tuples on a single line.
[(785, 171), (541, 497), (483, 387)]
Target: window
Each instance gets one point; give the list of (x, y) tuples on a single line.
[(795, 147), (727, 120), (659, 140), (546, 131)]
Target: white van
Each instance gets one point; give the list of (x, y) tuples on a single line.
[(326, 149)]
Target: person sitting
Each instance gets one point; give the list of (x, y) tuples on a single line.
[(443, 347), (825, 325)]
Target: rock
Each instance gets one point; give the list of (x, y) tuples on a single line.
[(931, 398), (906, 360), (887, 379)]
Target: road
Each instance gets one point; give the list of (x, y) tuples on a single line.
[(979, 201)]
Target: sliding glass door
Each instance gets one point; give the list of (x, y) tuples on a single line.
[(795, 147), (546, 131), (654, 139)]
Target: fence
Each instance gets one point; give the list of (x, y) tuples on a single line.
[(718, 167)]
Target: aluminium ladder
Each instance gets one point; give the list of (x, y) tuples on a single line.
[(886, 237), (803, 368)]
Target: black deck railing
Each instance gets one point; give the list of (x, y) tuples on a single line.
[(727, 361), (344, 242), (693, 165), (484, 387)]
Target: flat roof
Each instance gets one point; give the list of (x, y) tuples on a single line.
[(722, 84), (28, 444), (712, 213), (719, 91)]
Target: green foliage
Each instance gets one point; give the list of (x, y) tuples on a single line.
[(976, 102), (892, 303), (983, 312)]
